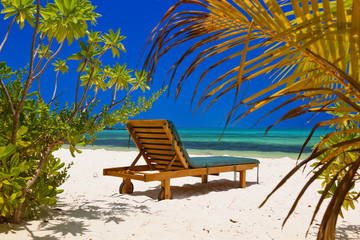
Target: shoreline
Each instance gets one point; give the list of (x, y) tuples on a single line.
[(247, 142), (91, 207), (212, 152)]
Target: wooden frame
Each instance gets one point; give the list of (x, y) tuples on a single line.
[(164, 159)]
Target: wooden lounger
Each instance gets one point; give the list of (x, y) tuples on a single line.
[(166, 158)]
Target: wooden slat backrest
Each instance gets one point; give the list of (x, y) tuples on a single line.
[(159, 148)]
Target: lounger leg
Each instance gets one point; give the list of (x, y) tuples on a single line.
[(165, 192), (126, 186), (204, 178), (243, 179)]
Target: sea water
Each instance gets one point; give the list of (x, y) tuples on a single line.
[(245, 142)]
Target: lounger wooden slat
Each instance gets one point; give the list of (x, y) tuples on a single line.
[(159, 161), (166, 158), (152, 141), (147, 130), (159, 137), (135, 168), (157, 146), (146, 123), (138, 145), (158, 151), (157, 156), (175, 144), (125, 175), (163, 166), (166, 154), (152, 135)]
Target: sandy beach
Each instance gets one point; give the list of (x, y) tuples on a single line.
[(91, 207)]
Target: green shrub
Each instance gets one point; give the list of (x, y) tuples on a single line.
[(33, 128)]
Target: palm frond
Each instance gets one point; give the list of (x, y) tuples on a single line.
[(311, 51)]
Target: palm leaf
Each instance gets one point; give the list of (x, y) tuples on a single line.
[(311, 53)]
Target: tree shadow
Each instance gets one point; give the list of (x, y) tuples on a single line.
[(7, 228), (108, 211), (197, 189), (350, 232), (72, 227), (71, 219)]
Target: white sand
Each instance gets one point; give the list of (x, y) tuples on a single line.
[(91, 207)]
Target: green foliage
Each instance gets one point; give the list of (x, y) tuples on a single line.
[(340, 165), (45, 189), (31, 128), (44, 51), (113, 41), (11, 183), (21, 10), (41, 127), (20, 161), (67, 19)]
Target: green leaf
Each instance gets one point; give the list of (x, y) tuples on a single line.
[(13, 196), (115, 52), (76, 56), (14, 162), (48, 201), (7, 10), (5, 175), (4, 211), (22, 130), (58, 191), (9, 15), (6, 182), (81, 65), (7, 151)]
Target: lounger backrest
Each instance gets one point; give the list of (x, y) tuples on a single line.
[(158, 145)]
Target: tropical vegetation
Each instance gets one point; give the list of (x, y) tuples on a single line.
[(33, 125), (310, 52)]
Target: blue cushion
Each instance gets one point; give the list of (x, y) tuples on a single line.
[(214, 161)]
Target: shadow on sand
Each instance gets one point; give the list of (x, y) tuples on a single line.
[(72, 219), (190, 190), (343, 232), (349, 232)]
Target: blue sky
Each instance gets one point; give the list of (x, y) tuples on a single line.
[(136, 19)]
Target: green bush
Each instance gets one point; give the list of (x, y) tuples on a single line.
[(33, 128), (340, 165)]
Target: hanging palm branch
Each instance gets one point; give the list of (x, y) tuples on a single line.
[(310, 48)]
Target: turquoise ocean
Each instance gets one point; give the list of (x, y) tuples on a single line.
[(246, 142)]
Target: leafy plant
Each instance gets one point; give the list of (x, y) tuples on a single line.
[(311, 51), (336, 171), (33, 128)]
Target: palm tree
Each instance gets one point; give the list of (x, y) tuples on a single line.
[(311, 50)]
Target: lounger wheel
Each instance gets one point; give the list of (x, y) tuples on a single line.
[(126, 187), (162, 194)]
